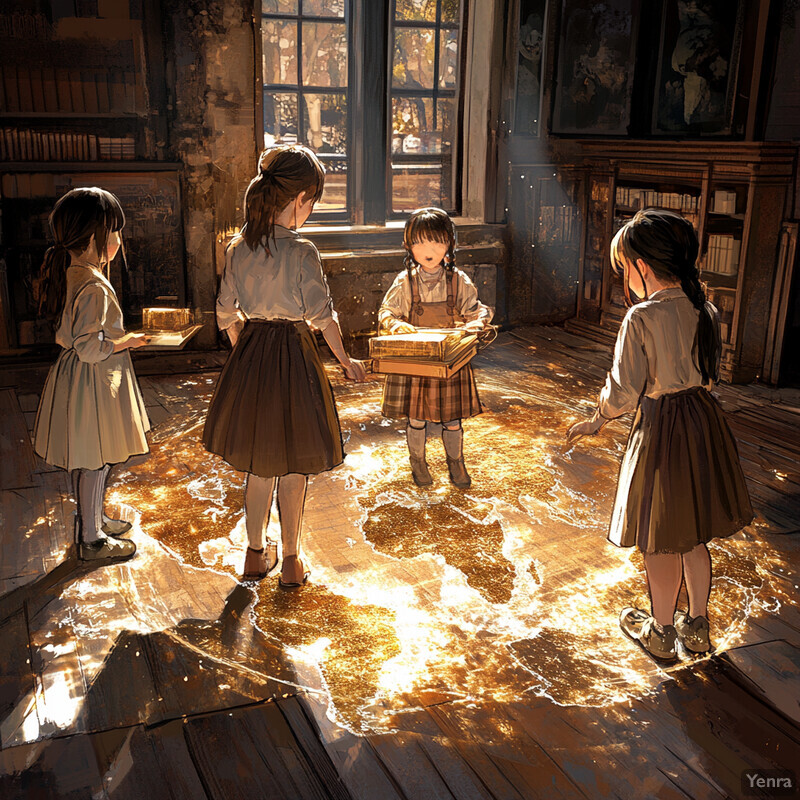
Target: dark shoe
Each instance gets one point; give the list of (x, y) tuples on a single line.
[(693, 632), (107, 550), (259, 563), (458, 473), (641, 627), (293, 573), (420, 472), (115, 527)]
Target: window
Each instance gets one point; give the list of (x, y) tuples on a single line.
[(372, 87), (305, 97), (425, 77)]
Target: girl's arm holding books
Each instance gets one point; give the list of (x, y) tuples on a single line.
[(395, 306), (88, 337)]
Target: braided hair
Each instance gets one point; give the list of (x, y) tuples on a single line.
[(76, 217), (668, 244), (284, 173)]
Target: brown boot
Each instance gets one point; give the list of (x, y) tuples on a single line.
[(453, 444), (416, 449)]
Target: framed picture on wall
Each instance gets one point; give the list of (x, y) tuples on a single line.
[(596, 56), (530, 56), (697, 66)]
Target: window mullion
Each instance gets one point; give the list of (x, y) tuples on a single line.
[(369, 154)]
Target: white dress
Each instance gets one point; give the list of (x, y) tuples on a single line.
[(91, 412)]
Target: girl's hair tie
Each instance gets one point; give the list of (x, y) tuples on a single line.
[(60, 246)]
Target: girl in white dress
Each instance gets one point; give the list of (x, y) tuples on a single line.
[(91, 414)]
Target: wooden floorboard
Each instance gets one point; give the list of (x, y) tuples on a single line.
[(17, 461)]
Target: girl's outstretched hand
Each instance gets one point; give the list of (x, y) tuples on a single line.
[(354, 371), (403, 327), (130, 341), (588, 427)]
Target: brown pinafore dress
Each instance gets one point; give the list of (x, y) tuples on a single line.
[(432, 399)]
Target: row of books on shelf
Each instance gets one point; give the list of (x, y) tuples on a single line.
[(45, 89), (27, 145), (648, 198), (722, 254)]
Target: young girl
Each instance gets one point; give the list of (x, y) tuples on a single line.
[(91, 414), (681, 483), (273, 414), (432, 293)]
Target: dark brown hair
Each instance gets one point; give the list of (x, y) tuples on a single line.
[(284, 173), (668, 244), (430, 224), (76, 216)]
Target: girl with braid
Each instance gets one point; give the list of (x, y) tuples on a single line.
[(431, 292), (680, 483)]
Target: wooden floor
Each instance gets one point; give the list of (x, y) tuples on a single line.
[(451, 644)]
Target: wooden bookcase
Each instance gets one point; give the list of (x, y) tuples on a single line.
[(83, 101), (736, 195)]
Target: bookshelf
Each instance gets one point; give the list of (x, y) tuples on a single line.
[(734, 193), (82, 103)]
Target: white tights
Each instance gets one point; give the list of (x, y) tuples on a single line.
[(258, 496), (89, 488)]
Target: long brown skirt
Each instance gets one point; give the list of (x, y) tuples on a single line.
[(273, 411), (680, 483), (431, 399)]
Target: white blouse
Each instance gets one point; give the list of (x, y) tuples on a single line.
[(396, 304), (286, 283), (653, 354), (92, 318)]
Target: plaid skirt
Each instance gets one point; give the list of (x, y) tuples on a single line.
[(680, 483), (273, 411), (431, 399)]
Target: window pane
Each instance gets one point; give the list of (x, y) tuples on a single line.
[(416, 10), (280, 119), (279, 6), (419, 185), (324, 54), (280, 51), (413, 127), (325, 122), (334, 198), (445, 119), (450, 10), (448, 59), (413, 66), (323, 8)]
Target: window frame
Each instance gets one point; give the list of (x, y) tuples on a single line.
[(368, 95)]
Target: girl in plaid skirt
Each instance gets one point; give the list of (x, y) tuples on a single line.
[(432, 293)]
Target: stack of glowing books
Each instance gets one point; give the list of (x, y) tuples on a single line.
[(168, 327), (428, 353)]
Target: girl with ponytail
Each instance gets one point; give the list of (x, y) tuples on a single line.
[(273, 415), (431, 292), (91, 414), (680, 483)]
